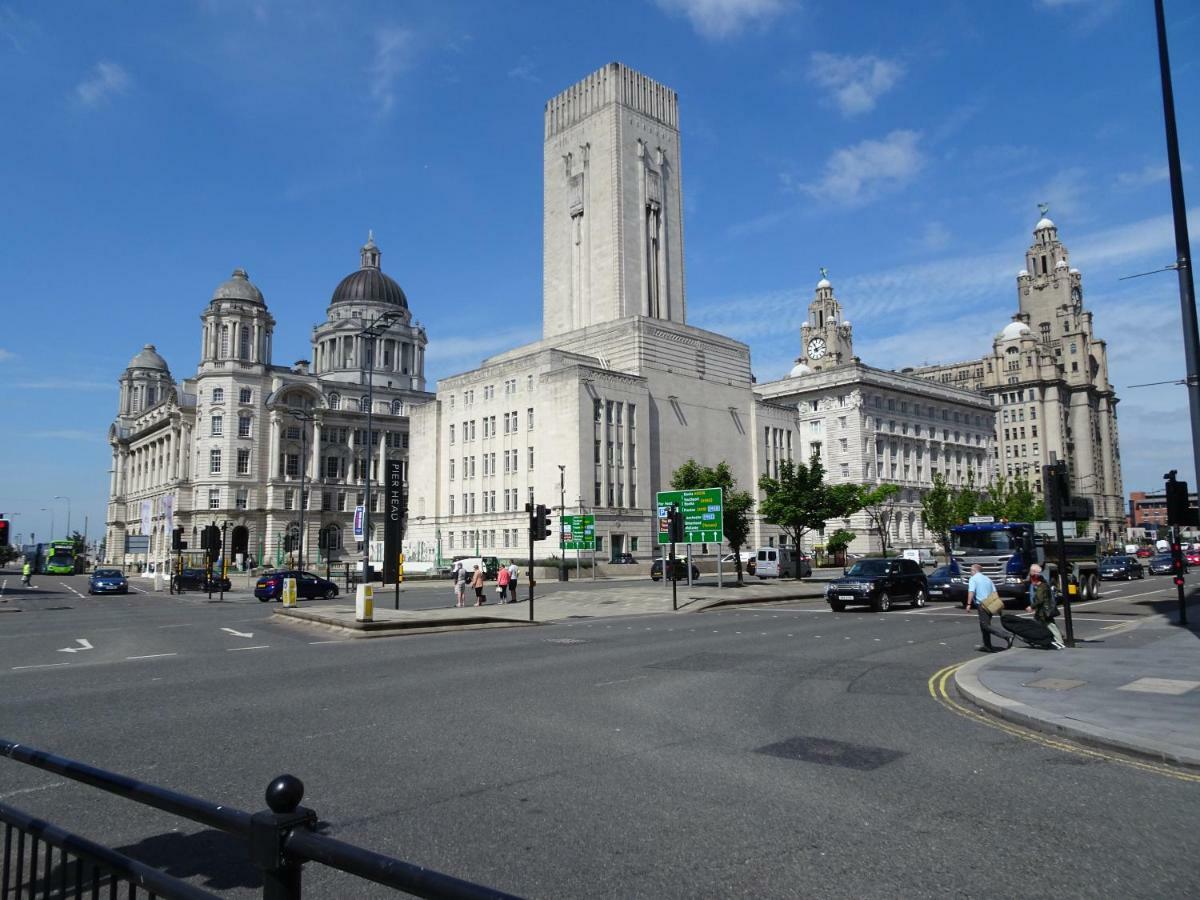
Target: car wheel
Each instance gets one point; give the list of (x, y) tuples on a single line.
[(882, 603), (264, 599), (330, 593), (837, 605), (918, 599)]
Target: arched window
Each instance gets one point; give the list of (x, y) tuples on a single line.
[(224, 352), (243, 342), (291, 540), (331, 538), (364, 405), (397, 408), (335, 401)]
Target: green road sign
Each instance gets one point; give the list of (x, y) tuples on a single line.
[(703, 515), (579, 532)]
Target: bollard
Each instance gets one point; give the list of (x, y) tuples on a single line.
[(364, 603), (289, 593), (158, 582)]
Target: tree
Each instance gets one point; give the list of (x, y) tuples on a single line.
[(939, 510), (879, 504), (799, 501), (1012, 499), (737, 504), (837, 542)]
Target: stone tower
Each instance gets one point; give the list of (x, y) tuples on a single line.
[(612, 238), (826, 339)]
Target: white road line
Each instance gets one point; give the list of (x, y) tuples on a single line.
[(3, 586), (236, 649), (138, 589), (183, 625), (32, 790), (311, 643), (43, 666), (620, 681), (71, 589), (152, 656)]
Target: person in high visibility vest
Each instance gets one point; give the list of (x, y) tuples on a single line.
[(27, 573)]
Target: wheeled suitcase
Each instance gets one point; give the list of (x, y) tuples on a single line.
[(1031, 631)]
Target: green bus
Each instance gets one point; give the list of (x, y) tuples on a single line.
[(61, 559)]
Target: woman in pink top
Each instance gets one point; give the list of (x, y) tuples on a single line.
[(502, 581)]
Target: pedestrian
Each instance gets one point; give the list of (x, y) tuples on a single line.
[(513, 571), (502, 582), (27, 574), (460, 584), (1043, 604), (982, 595), (477, 583)]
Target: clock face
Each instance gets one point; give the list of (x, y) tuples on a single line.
[(816, 348)]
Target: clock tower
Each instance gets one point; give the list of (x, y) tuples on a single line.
[(825, 339)]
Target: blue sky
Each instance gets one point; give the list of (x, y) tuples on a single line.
[(151, 148)]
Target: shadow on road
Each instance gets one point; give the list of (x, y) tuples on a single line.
[(219, 860)]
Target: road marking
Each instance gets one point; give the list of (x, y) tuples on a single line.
[(937, 690), (3, 586), (310, 643), (32, 790), (43, 666), (71, 589), (259, 647), (84, 644), (620, 681), (245, 634), (138, 589), (182, 625), (152, 656)]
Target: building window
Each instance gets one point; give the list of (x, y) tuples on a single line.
[(289, 499), (397, 408), (291, 465), (242, 498), (224, 341), (335, 401), (330, 538), (214, 498), (293, 432), (529, 419), (218, 425), (452, 469), (451, 434), (243, 343), (243, 426), (218, 395), (243, 462), (214, 462), (530, 459)]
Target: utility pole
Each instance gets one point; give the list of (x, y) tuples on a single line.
[(378, 326), (1183, 252), (304, 418), (562, 515)]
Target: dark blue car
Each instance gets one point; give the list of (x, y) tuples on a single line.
[(108, 581)]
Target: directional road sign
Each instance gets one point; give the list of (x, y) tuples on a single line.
[(703, 515), (579, 532)]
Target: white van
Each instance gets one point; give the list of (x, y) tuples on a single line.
[(774, 562), (921, 556)]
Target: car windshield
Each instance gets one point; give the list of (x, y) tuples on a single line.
[(945, 572), (983, 542), (107, 573), (1114, 561), (1163, 558), (870, 567)]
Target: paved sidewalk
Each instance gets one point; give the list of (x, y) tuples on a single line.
[(1136, 690), (640, 599)]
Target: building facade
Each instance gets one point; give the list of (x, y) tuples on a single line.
[(1047, 377), (229, 445)]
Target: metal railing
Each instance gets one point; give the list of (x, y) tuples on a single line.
[(279, 842)]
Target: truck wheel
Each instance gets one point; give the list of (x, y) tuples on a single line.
[(1093, 589)]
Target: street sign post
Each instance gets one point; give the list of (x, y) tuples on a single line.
[(579, 532), (703, 515)]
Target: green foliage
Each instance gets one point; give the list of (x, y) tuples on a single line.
[(8, 554), (799, 501), (879, 504), (839, 541), (1012, 499), (80, 543), (737, 504), (940, 510)]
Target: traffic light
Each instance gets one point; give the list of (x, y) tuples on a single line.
[(675, 525), (3, 532), (541, 523), (177, 538), (1057, 484), (1179, 510), (210, 540)]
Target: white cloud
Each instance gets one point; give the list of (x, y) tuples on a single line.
[(1064, 193), (6, 355), (934, 236), (524, 70), (15, 29), (394, 50), (857, 174), (855, 83), (106, 80), (1147, 175), (717, 19)]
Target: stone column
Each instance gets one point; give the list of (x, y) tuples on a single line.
[(273, 469), (1107, 488)]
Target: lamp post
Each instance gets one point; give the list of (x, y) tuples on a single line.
[(371, 333), (304, 418), (562, 511), (68, 499)]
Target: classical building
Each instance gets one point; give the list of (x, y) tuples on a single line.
[(873, 426), (228, 445), (1047, 377)]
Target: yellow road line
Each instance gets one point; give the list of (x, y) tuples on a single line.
[(937, 690)]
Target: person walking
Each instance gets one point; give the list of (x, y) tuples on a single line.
[(477, 583), (1043, 605), (513, 571), (502, 582), (27, 574), (981, 591), (460, 584)]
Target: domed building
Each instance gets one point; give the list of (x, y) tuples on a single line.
[(230, 445)]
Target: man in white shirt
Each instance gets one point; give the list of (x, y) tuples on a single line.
[(979, 588)]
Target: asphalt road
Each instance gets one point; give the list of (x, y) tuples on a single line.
[(774, 751)]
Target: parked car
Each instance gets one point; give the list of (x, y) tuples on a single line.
[(197, 580), (308, 586), (729, 562), (1193, 557), (656, 570), (1162, 564), (1145, 552), (108, 581), (878, 583), (780, 562), (948, 583), (1127, 567), (625, 559)]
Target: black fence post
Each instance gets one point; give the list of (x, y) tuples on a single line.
[(269, 831)]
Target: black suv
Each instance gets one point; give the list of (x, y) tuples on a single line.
[(878, 583), (197, 580), (681, 573), (1127, 567)]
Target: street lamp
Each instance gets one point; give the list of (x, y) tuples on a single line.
[(303, 417), (378, 326), (562, 511), (68, 499)]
